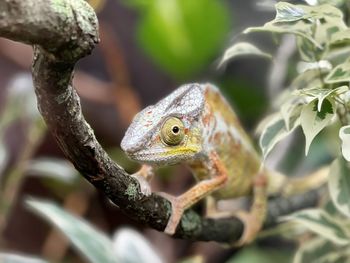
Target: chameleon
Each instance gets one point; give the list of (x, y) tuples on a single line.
[(196, 125)]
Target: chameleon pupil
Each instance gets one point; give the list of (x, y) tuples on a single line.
[(175, 129)]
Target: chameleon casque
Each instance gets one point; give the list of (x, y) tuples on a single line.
[(197, 126)]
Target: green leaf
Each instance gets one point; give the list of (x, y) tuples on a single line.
[(340, 73), (242, 49), (344, 135), (313, 121), (339, 185), (254, 254), (91, 243), (183, 36), (320, 222), (14, 258), (275, 130), (319, 250)]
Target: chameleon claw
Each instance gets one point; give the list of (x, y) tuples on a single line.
[(177, 211)]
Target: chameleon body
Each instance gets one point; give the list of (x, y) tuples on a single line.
[(196, 125)]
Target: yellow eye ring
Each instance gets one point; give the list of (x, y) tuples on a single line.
[(172, 131)]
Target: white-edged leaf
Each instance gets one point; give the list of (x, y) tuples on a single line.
[(286, 12), (242, 49), (298, 28), (56, 168), (95, 246), (339, 185), (132, 247), (319, 250), (313, 121), (340, 73), (309, 79), (322, 65), (344, 135), (321, 223), (275, 130), (16, 258)]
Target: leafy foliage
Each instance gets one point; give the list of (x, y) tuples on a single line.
[(318, 97)]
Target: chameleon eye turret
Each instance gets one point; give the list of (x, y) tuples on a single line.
[(173, 131)]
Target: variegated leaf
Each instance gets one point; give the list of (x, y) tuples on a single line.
[(242, 49), (276, 130), (320, 222), (313, 121), (319, 250), (344, 135), (340, 73), (339, 185)]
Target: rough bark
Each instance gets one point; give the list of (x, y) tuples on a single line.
[(62, 32)]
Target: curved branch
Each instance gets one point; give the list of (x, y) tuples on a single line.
[(62, 31)]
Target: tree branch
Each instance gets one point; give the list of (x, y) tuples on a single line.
[(62, 32)]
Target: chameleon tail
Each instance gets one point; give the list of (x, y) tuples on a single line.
[(296, 185)]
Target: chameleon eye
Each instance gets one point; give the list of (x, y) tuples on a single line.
[(172, 131)]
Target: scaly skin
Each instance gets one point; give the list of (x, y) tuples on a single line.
[(196, 125)]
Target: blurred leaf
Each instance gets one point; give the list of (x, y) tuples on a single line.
[(242, 49), (132, 247), (183, 36), (55, 168), (322, 65), (254, 254), (313, 121), (318, 250), (4, 157), (91, 243), (21, 100), (344, 135), (322, 223), (309, 79), (15, 258), (340, 73), (276, 130), (339, 185), (306, 50)]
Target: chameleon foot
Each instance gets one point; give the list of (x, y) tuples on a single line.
[(252, 226), (177, 209), (144, 185)]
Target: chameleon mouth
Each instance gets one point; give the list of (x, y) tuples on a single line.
[(162, 156)]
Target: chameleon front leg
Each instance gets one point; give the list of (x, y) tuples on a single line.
[(254, 219), (144, 176), (181, 203)]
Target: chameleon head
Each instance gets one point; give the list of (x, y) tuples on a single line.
[(169, 131)]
